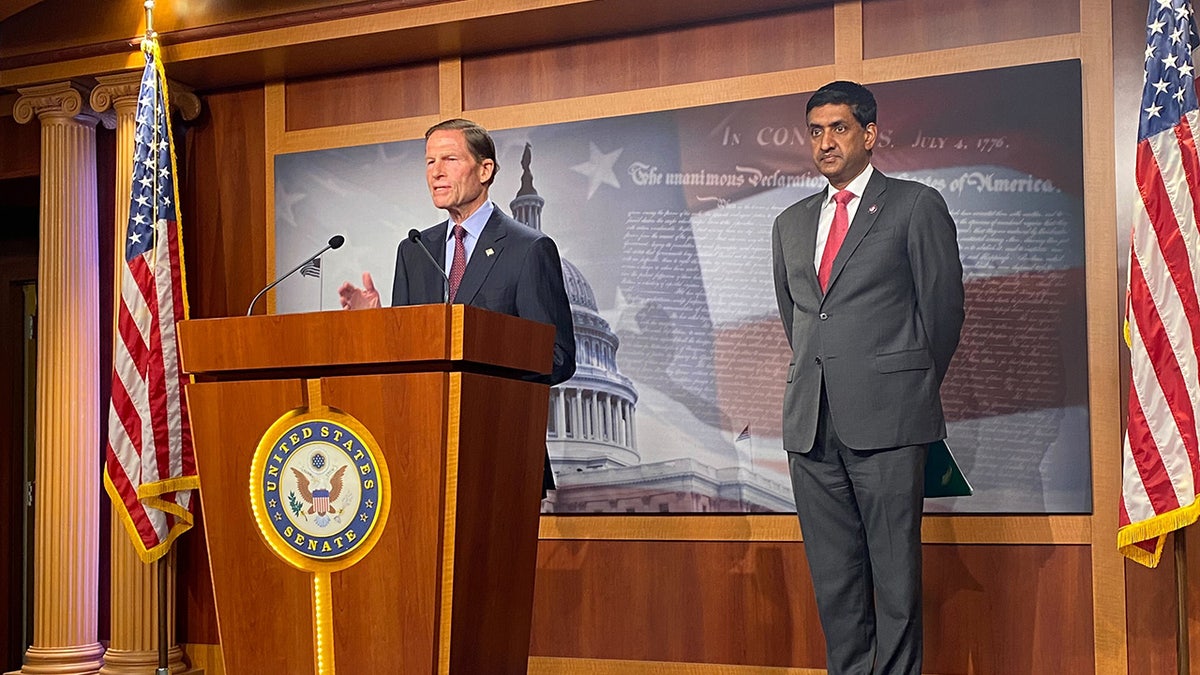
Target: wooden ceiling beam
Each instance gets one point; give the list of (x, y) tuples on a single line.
[(231, 55)]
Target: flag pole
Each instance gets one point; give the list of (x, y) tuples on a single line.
[(164, 667), (1182, 658)]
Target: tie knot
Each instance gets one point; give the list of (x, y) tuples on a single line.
[(460, 232), (843, 197)]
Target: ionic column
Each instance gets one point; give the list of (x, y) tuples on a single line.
[(133, 644), (67, 425), (560, 411)]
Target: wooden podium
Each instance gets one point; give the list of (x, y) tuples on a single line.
[(448, 585)]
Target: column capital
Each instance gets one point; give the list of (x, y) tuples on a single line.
[(116, 90), (60, 100), (113, 91), (184, 100)]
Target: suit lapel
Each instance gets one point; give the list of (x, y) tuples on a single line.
[(487, 250), (868, 211), (809, 221)]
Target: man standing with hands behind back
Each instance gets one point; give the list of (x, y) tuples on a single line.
[(869, 286), (494, 262)]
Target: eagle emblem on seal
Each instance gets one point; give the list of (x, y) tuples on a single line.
[(319, 497)]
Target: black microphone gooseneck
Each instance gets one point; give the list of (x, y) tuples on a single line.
[(415, 237), (335, 242)]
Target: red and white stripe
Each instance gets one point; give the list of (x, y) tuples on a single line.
[(150, 469), (1162, 445)]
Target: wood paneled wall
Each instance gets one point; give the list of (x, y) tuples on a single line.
[(20, 147), (894, 27), (750, 603), (1004, 594), (768, 44)]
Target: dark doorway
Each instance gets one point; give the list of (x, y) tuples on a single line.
[(18, 293)]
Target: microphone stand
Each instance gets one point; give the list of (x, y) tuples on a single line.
[(335, 242)]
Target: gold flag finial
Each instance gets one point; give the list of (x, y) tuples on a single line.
[(150, 34)]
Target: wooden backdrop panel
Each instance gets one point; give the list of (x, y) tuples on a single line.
[(988, 608), (1151, 606), (22, 148), (892, 27), (224, 204), (224, 226), (693, 54), (874, 28), (394, 93), (712, 602)]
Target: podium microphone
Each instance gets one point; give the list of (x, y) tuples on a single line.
[(415, 237), (335, 242)]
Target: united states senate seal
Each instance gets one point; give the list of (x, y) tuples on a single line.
[(319, 489)]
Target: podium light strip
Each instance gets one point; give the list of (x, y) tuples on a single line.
[(450, 511), (457, 314), (322, 624)]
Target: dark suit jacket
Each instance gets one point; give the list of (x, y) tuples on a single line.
[(882, 336), (521, 276)]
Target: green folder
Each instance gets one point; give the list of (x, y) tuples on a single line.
[(943, 478)]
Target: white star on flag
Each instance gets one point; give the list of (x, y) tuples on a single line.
[(599, 168)]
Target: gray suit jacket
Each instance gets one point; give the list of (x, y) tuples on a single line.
[(882, 336), (521, 276)]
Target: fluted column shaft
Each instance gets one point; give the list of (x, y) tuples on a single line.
[(133, 643), (67, 424)]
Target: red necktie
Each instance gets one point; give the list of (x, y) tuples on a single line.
[(459, 265), (837, 234)]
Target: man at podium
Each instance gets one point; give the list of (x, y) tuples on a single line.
[(494, 262)]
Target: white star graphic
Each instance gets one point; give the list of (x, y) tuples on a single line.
[(1165, 4), (1152, 111), (599, 168), (1169, 62), (1178, 95), (1157, 26), (624, 315), (135, 238), (1186, 70), (1181, 12), (1161, 85), (1149, 52), (1176, 36), (285, 205)]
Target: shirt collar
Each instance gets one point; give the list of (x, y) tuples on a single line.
[(858, 186), (475, 222)]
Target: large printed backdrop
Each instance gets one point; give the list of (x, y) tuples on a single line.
[(668, 218)]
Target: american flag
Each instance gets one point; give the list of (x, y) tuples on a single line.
[(1161, 457), (744, 436), (312, 268), (149, 469)]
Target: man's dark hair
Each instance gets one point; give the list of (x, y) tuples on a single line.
[(479, 141), (859, 98)]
